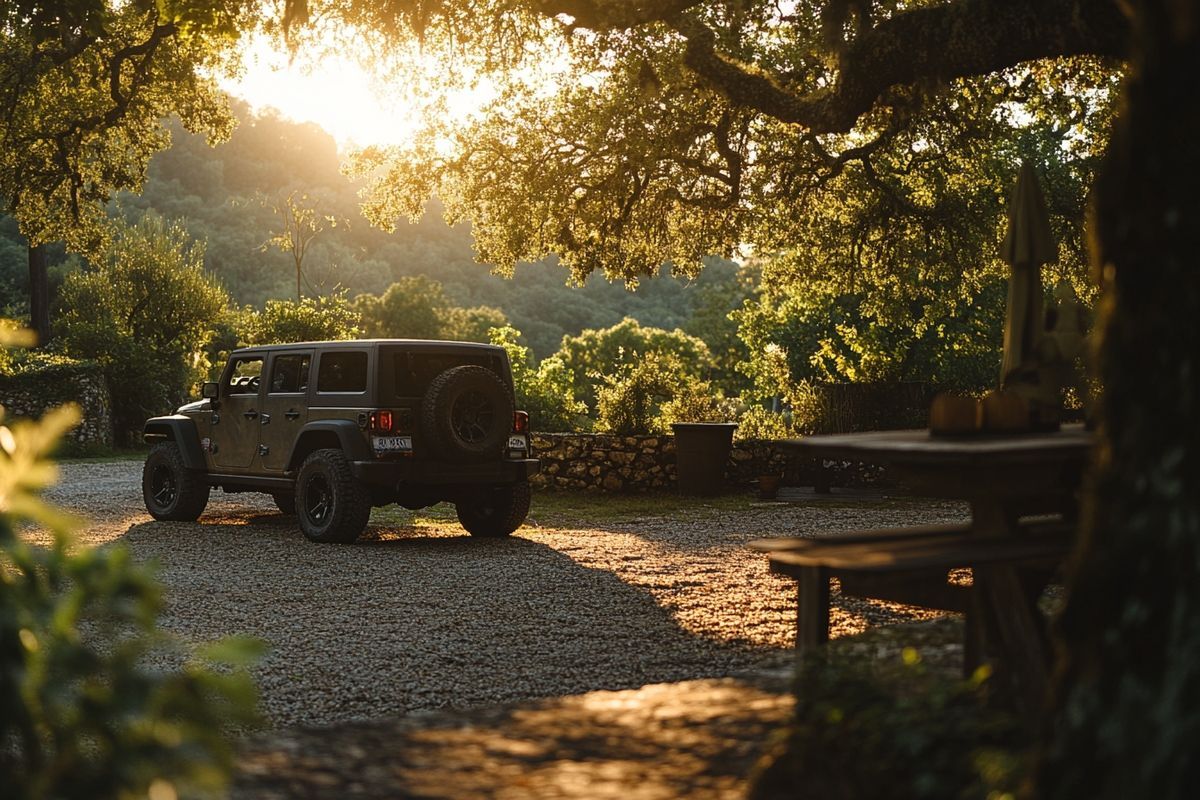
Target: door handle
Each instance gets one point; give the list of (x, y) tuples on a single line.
[(292, 413), (251, 414), (265, 418)]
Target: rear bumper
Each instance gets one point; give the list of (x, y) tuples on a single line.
[(437, 473)]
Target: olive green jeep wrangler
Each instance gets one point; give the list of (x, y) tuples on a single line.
[(330, 429)]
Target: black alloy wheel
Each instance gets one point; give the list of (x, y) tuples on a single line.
[(472, 417), (170, 490), (162, 486), (333, 505), (318, 499)]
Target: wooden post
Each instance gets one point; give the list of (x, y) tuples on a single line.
[(39, 295), (812, 609)]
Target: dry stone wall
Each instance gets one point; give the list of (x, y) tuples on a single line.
[(608, 463), (30, 395)]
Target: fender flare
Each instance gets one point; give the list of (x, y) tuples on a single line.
[(349, 436), (181, 430)]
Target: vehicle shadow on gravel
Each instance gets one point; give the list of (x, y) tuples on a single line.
[(411, 621)]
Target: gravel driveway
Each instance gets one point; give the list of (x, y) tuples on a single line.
[(419, 615)]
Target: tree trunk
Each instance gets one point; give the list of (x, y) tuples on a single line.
[(39, 295), (1125, 719)]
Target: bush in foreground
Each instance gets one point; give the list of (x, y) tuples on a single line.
[(893, 731), (82, 713)]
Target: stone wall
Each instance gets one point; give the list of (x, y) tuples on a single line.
[(30, 394), (606, 463)]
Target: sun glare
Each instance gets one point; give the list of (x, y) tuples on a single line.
[(339, 95)]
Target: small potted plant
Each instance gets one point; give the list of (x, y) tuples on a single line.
[(768, 485)]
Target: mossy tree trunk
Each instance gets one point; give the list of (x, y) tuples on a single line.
[(1126, 712)]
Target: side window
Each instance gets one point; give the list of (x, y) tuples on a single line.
[(289, 374), (342, 372), (247, 372)]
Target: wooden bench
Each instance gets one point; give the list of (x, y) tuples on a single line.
[(912, 566)]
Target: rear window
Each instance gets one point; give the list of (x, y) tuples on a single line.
[(342, 372), (412, 372)]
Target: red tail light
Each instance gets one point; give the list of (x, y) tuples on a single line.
[(520, 422), (382, 421)]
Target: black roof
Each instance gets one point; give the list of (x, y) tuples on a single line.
[(413, 344)]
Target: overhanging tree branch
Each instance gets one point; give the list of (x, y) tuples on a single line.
[(924, 45)]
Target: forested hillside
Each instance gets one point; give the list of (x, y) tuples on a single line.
[(230, 197)]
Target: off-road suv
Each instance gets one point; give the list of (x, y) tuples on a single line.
[(331, 429)]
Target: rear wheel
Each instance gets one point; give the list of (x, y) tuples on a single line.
[(332, 505), (172, 491), (496, 511)]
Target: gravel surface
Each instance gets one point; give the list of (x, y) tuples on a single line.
[(420, 616)]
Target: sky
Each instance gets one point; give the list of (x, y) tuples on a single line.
[(336, 93)]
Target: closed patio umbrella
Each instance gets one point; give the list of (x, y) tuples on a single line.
[(1026, 247)]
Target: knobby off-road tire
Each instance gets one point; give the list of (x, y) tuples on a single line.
[(285, 502), (467, 413), (172, 491), (332, 505), (495, 511)]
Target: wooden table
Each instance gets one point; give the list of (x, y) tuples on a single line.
[(1006, 479)]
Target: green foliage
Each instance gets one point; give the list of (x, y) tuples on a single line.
[(545, 390), (471, 324), (893, 732), (594, 353), (83, 711), (757, 422), (418, 308), (84, 88), (646, 395), (696, 401), (411, 308), (312, 319), (299, 224), (630, 401), (144, 312), (713, 321), (219, 194)]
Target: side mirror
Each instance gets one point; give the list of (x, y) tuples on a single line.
[(210, 390)]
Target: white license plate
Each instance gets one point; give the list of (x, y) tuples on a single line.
[(391, 444), (516, 443)]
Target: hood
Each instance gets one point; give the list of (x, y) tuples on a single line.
[(199, 405)]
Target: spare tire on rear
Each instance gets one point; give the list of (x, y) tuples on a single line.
[(467, 414)]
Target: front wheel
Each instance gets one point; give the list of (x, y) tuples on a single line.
[(285, 502), (172, 491), (496, 511), (333, 506)]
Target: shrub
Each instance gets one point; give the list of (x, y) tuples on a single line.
[(312, 319), (891, 731), (545, 390), (757, 422), (82, 713), (607, 351), (630, 401), (411, 308), (417, 307), (471, 324), (144, 312)]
